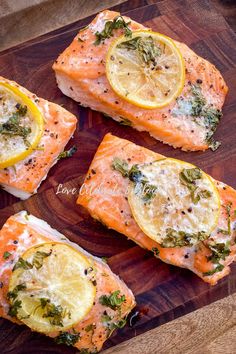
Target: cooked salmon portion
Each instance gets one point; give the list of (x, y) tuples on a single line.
[(23, 231), (81, 74), (104, 195), (24, 178)]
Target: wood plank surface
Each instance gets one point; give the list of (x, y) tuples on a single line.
[(167, 292)]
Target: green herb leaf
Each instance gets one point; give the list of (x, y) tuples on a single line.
[(21, 263), (67, 338), (13, 309), (114, 301), (125, 121), (107, 32), (120, 166), (6, 255), (14, 127), (54, 312), (39, 257), (146, 48), (188, 177), (14, 293), (219, 252), (119, 324), (105, 318), (90, 327), (217, 269), (43, 302), (67, 153), (156, 251), (181, 238)]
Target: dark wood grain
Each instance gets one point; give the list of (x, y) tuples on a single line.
[(163, 292)]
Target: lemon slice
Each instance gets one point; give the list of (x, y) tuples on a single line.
[(53, 288), (21, 125), (173, 202), (147, 69)]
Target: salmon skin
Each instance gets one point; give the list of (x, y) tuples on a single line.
[(103, 194), (81, 74), (22, 231), (24, 178)]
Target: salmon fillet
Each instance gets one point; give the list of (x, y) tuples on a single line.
[(22, 231), (24, 178), (104, 195), (81, 74)]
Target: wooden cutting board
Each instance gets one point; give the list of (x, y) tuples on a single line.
[(163, 292)]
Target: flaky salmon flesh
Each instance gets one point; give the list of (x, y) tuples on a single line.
[(24, 178), (104, 195), (186, 123), (22, 231)]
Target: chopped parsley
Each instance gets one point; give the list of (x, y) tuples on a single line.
[(14, 127), (14, 293), (142, 187), (219, 251), (181, 238), (6, 255), (107, 32), (67, 153), (90, 327), (188, 177), (217, 269), (148, 51), (156, 251), (67, 338), (55, 313), (21, 263), (113, 301), (211, 115), (125, 121), (120, 166), (39, 257), (14, 307)]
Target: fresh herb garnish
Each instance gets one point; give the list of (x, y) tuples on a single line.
[(188, 177), (211, 115), (181, 238), (120, 324), (13, 126), (21, 263), (14, 293), (148, 51), (156, 251), (106, 318), (142, 186), (120, 166), (39, 257), (228, 213), (6, 255), (67, 153), (90, 327), (14, 307), (107, 32), (67, 338), (55, 313), (114, 301), (217, 269), (125, 121), (219, 251)]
